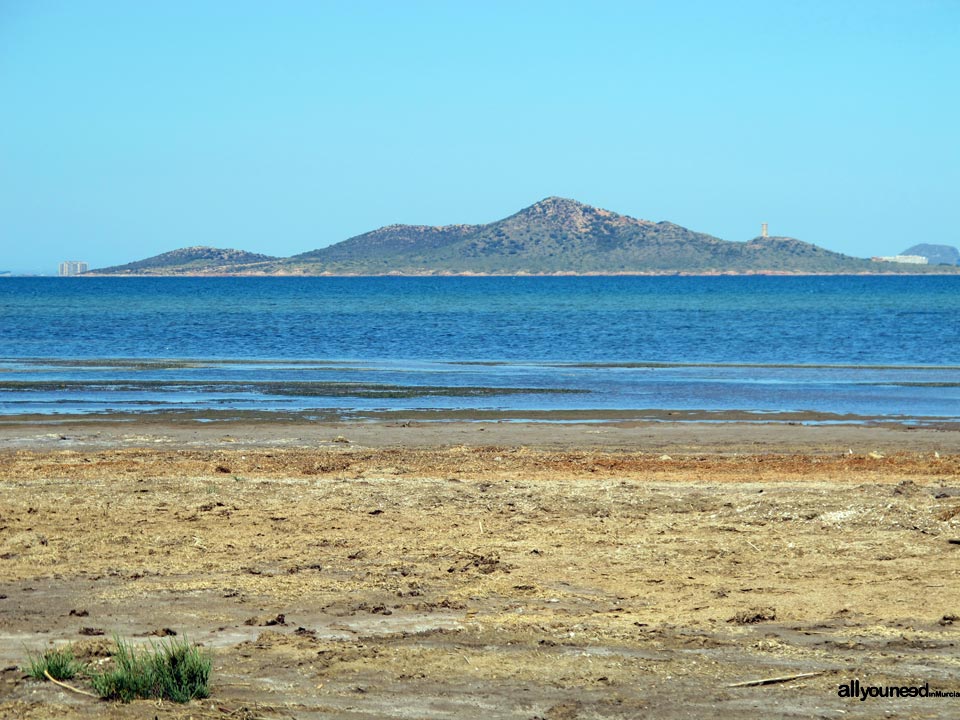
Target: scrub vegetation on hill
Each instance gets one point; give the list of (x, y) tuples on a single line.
[(553, 236)]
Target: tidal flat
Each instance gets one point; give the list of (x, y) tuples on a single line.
[(503, 570)]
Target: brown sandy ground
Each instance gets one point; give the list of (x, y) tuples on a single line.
[(448, 573)]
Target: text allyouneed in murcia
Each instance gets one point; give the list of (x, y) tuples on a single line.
[(854, 689)]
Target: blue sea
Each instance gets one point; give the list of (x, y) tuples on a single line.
[(824, 349)]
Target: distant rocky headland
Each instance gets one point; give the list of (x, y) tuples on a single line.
[(935, 254), (555, 236)]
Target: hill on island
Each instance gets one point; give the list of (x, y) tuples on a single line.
[(935, 254), (553, 236), (198, 259)]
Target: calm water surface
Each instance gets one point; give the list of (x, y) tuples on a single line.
[(884, 347)]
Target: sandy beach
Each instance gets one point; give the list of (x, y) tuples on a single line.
[(488, 569)]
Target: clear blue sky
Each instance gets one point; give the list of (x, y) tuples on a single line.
[(132, 128)]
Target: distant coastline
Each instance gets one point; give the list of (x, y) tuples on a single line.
[(936, 271), (553, 237)]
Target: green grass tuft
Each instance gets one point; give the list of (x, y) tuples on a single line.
[(172, 670), (60, 663)]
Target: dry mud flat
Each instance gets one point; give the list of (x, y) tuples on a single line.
[(488, 581)]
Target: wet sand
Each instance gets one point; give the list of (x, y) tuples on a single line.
[(726, 433), (488, 569)]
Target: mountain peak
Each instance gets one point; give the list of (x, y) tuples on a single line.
[(567, 215), (557, 205), (556, 200)]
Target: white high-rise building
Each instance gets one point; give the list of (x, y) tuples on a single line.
[(72, 267)]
